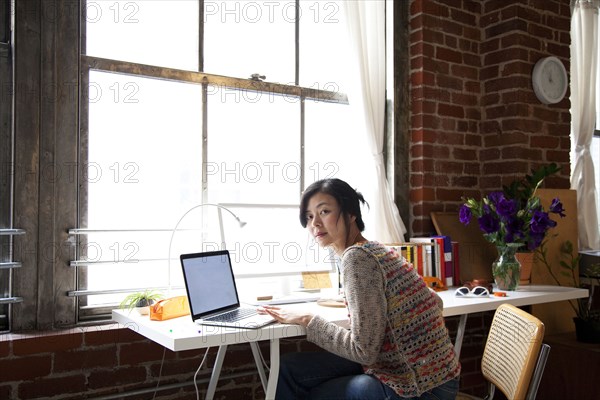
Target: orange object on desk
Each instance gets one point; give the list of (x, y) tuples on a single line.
[(170, 308), (434, 283), (500, 294)]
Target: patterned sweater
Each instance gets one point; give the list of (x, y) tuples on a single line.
[(397, 331)]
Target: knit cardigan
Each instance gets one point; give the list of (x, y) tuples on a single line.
[(397, 331)]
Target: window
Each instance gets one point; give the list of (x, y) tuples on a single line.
[(195, 113)]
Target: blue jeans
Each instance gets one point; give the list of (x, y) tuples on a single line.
[(325, 376)]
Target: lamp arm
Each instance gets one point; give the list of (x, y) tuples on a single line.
[(219, 207)]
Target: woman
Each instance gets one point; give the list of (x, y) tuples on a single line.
[(397, 346)]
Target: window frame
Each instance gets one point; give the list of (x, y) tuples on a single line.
[(90, 63)]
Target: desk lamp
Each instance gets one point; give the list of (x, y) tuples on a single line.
[(219, 208)]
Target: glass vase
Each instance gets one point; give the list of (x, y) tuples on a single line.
[(507, 269)]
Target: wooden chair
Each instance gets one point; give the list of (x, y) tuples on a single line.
[(514, 357)]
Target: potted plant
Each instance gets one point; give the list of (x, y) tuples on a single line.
[(514, 220), (141, 301), (587, 321)]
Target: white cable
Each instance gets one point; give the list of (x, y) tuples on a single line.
[(263, 360), (159, 372), (198, 370)]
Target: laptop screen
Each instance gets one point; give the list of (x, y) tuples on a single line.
[(209, 282)]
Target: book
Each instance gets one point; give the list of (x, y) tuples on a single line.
[(448, 272), (418, 254), (432, 267)]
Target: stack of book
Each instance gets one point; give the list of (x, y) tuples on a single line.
[(434, 256)]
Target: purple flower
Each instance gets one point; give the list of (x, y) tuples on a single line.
[(540, 222), (535, 240), (506, 208), (514, 227), (496, 197), (488, 224), (557, 207), (465, 214)]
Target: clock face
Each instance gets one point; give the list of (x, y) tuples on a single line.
[(550, 80)]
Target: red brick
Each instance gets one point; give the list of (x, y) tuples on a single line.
[(443, 194), (464, 154), (116, 377), (85, 359), (456, 111), (505, 139), (25, 368), (466, 18), (421, 165), (450, 55), (521, 39), (6, 392), (50, 387), (135, 353), (520, 152), (557, 156), (47, 343), (522, 125), (99, 336), (507, 167), (489, 154), (422, 194), (465, 181), (4, 348)]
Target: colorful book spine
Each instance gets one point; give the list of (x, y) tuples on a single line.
[(448, 272)]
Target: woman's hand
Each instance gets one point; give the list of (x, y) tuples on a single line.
[(286, 316)]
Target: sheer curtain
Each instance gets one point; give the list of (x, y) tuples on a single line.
[(366, 95), (584, 69)]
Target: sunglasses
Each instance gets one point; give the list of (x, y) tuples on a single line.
[(477, 291)]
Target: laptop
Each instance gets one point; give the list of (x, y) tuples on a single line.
[(212, 293)]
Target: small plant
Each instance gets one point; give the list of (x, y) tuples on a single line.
[(568, 267), (140, 299)]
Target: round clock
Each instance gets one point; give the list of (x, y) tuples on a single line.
[(550, 80)]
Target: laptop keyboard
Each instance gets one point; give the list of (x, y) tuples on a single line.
[(234, 315)]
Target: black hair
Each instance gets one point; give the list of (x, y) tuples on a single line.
[(349, 200)]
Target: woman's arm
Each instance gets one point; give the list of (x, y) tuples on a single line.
[(367, 306)]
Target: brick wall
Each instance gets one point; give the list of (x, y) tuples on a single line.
[(475, 121), (108, 360)]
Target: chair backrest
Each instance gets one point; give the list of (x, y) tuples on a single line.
[(511, 350)]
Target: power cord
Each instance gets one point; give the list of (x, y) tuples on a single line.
[(159, 373), (198, 370), (195, 375)]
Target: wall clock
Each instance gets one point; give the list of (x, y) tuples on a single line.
[(550, 80)]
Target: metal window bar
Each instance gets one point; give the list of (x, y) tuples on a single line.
[(10, 264)]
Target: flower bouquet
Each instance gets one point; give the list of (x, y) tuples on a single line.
[(512, 219)]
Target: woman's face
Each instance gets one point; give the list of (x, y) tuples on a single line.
[(324, 221)]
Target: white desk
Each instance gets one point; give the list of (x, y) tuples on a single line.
[(182, 334)]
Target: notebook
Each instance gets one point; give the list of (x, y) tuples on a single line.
[(212, 292)]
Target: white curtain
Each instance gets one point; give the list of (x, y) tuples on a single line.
[(366, 27), (584, 69)]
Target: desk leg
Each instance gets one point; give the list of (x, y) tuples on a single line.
[(259, 364), (460, 334), (274, 372), (214, 377)]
